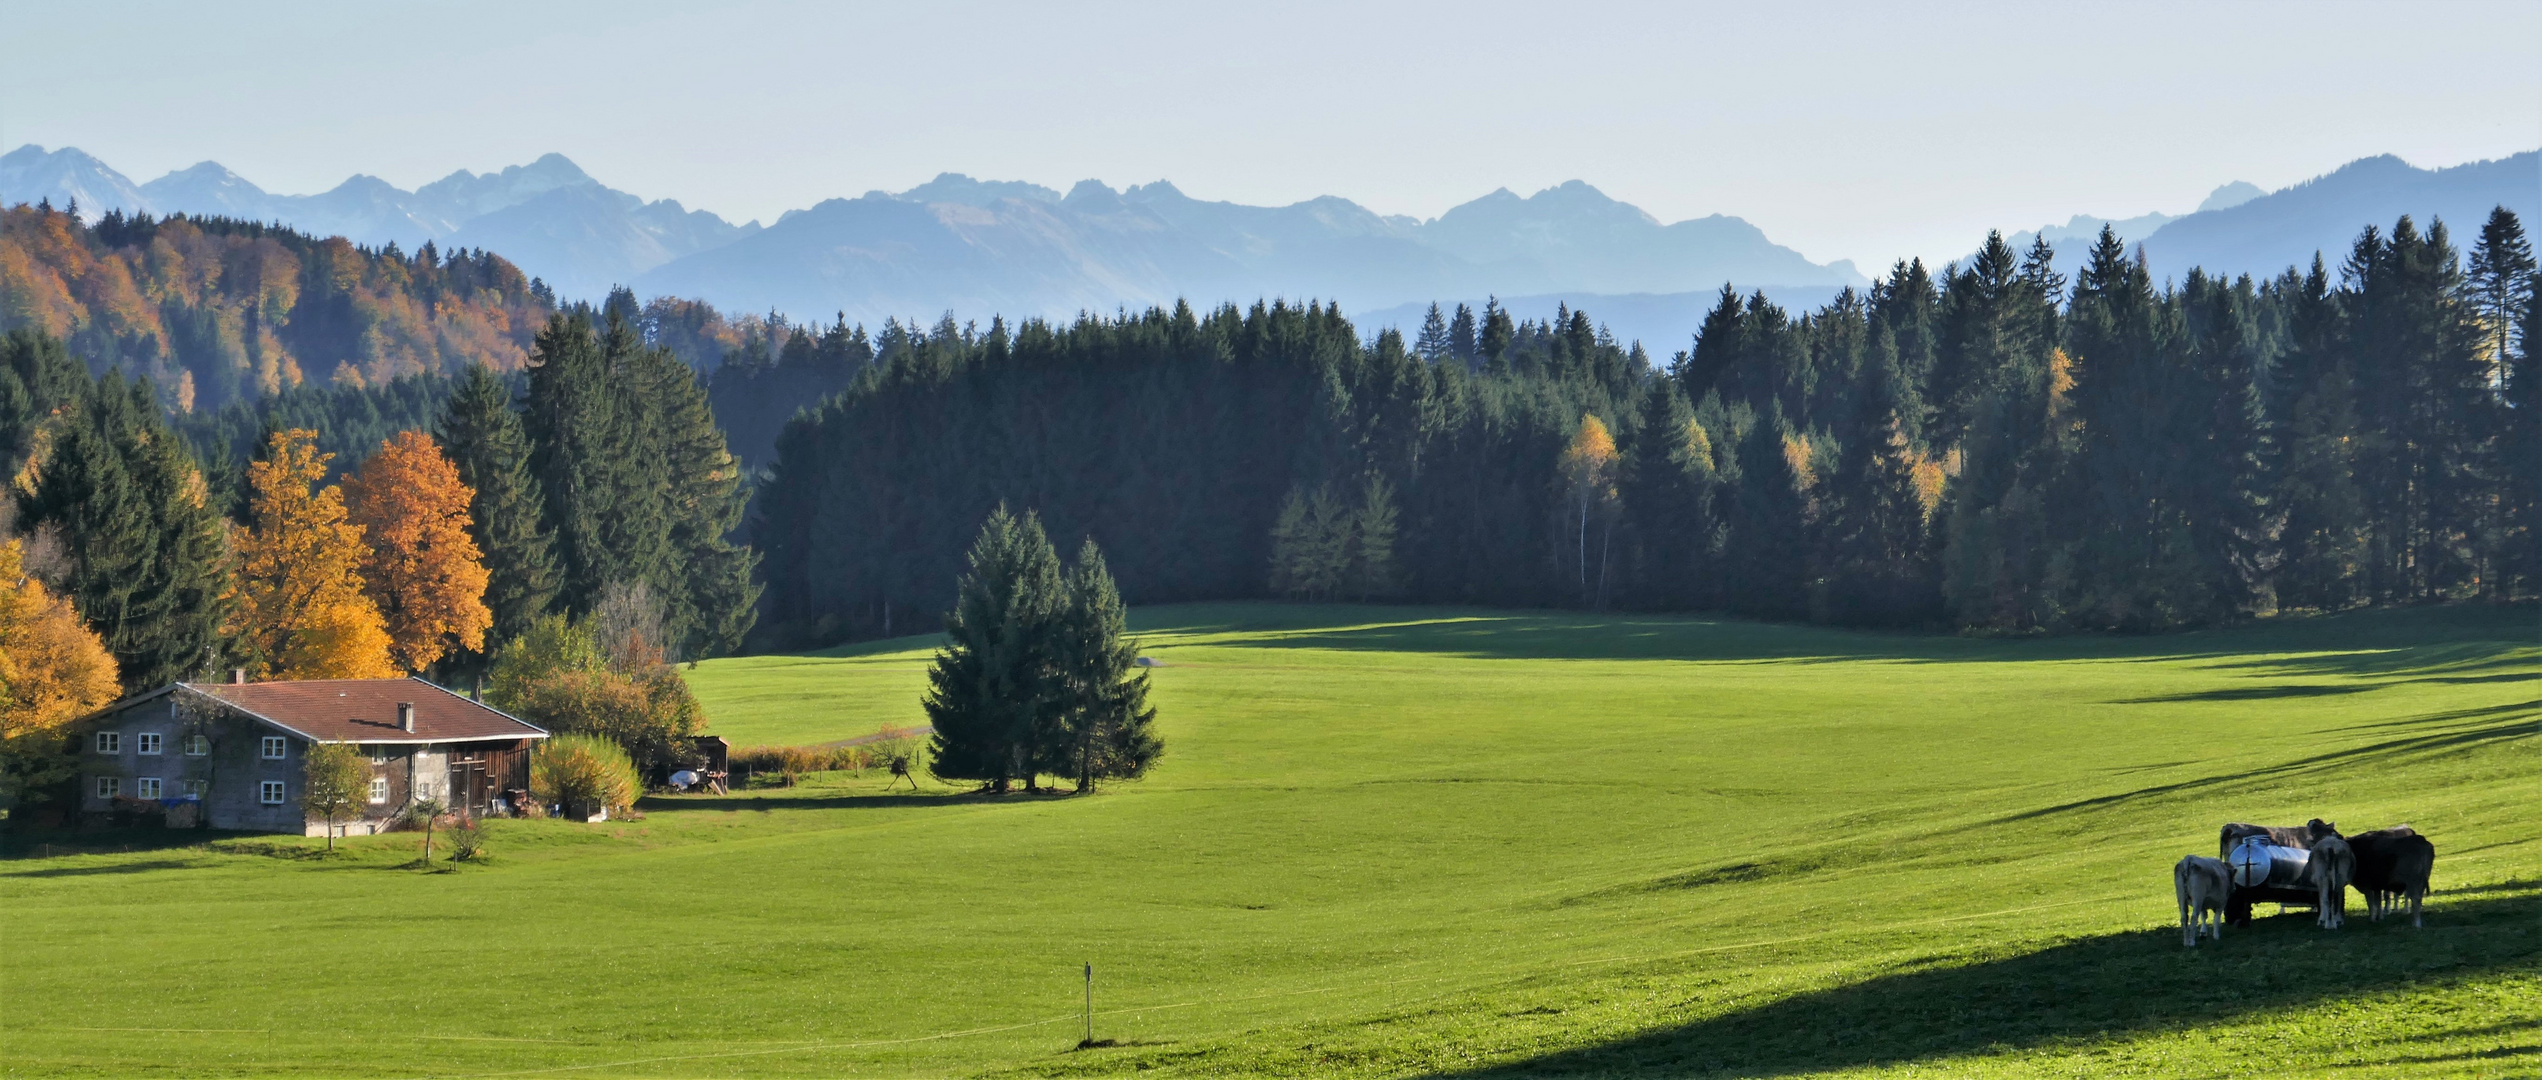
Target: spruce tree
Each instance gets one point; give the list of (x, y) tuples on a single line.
[(148, 567), (1104, 728), (1433, 344), (1767, 563), (1461, 335), (1667, 488), (990, 690), (484, 439)]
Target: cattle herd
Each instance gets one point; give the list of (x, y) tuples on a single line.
[(2311, 864)]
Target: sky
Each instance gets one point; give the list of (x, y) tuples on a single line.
[(1865, 131)]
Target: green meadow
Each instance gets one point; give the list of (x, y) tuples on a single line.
[(1410, 842)]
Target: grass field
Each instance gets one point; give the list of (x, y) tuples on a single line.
[(1407, 842)]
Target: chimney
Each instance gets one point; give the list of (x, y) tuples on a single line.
[(406, 716), (238, 676)]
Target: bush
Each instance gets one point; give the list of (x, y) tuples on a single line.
[(467, 841), (581, 772), (648, 716)]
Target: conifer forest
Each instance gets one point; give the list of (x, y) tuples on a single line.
[(1985, 445)]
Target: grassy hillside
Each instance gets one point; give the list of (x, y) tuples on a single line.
[(1414, 841)]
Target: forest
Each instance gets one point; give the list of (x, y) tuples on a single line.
[(1989, 447), (1986, 446)]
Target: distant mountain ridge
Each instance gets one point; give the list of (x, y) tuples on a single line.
[(548, 216), (991, 247), (984, 247)]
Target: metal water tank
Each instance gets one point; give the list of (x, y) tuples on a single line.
[(2259, 864)]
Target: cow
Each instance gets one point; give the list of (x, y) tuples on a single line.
[(2332, 866), (2203, 886), (2238, 912), (2392, 864)]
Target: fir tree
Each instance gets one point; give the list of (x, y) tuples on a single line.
[(1462, 342), (990, 692), (148, 567), (1434, 343), (1105, 727), (1767, 567), (486, 443)]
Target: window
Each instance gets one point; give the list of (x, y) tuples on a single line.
[(146, 788), (379, 789), (379, 759), (198, 745), (147, 742), (109, 786), (273, 747), (110, 742), (197, 787), (269, 793)]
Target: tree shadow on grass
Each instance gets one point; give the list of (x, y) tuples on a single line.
[(33, 843), (672, 804), (2454, 730), (2446, 642), (90, 870), (2106, 987)]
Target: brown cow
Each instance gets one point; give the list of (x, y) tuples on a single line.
[(2392, 863), (2203, 886)]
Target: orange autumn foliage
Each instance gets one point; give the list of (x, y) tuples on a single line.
[(302, 610), (422, 569), (53, 669)]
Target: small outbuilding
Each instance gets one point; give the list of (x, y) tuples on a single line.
[(231, 755)]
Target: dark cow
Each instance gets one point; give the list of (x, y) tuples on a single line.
[(2392, 864)]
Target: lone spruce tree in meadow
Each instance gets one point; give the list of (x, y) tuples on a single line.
[(990, 689), (1037, 674), (1106, 728)]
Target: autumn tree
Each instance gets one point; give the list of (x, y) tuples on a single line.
[(304, 614), (53, 670), (421, 568), (1588, 481)]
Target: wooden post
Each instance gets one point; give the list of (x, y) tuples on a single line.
[(1089, 1005)]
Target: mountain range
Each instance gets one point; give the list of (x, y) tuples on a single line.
[(979, 247)]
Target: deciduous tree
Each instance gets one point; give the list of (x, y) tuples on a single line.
[(53, 670), (420, 565), (303, 613)]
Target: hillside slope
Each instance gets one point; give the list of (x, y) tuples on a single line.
[(1412, 841)]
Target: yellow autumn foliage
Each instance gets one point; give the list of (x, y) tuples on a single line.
[(302, 609), (422, 568), (53, 669)]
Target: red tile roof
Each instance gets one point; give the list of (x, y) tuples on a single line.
[(365, 710)]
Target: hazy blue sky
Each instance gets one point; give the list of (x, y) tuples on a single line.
[(1863, 131)]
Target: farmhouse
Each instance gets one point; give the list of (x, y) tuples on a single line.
[(230, 755)]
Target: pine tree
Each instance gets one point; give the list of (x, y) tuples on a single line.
[(1105, 727), (2327, 525), (1667, 487), (148, 570), (1434, 343), (1767, 562), (990, 688), (1874, 530), (1493, 337), (1462, 341), (487, 446)]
